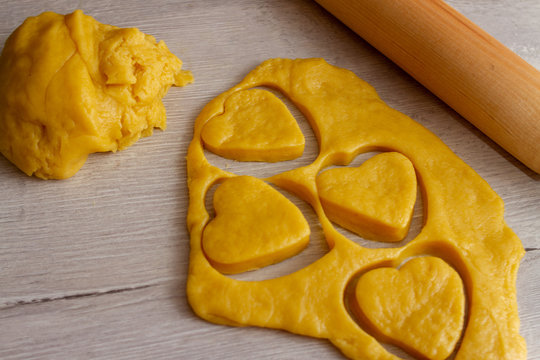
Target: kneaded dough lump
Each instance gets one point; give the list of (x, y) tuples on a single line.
[(71, 86)]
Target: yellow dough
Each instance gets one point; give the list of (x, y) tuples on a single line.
[(464, 243), (71, 86), (375, 200), (254, 226), (256, 126), (419, 307)]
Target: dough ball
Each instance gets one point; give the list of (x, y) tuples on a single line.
[(71, 86)]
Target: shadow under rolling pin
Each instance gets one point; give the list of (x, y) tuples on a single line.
[(476, 75)]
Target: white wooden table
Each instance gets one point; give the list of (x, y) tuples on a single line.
[(94, 267)]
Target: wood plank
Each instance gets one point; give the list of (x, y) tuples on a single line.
[(153, 322)]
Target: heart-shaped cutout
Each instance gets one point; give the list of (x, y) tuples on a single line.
[(255, 126), (254, 226), (375, 200), (419, 307)]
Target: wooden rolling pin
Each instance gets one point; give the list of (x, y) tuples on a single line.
[(480, 78)]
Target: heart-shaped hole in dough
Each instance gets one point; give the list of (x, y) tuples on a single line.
[(255, 126), (419, 307), (254, 226), (375, 200)]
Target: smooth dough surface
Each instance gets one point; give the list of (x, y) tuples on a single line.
[(71, 86), (374, 200), (254, 226), (465, 242)]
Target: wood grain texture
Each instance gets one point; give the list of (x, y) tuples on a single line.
[(94, 267)]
